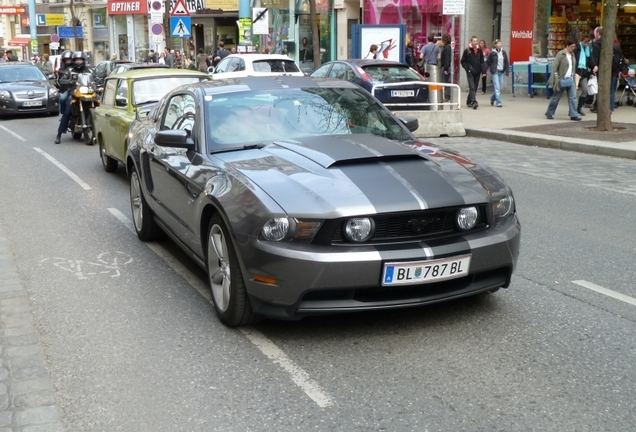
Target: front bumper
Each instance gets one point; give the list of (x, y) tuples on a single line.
[(319, 280), (14, 107)]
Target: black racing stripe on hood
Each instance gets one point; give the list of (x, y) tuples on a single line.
[(425, 178), (383, 190)]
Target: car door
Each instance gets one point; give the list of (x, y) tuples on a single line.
[(103, 115), (221, 69), (120, 120), (168, 167)]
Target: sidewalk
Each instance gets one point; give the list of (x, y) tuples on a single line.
[(522, 120)]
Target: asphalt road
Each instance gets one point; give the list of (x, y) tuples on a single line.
[(133, 344)]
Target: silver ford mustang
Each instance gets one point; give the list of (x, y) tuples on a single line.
[(304, 196)]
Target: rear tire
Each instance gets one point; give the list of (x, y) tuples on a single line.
[(77, 135), (110, 164), (145, 226), (229, 294)]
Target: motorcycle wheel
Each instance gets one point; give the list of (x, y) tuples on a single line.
[(89, 136), (77, 135)]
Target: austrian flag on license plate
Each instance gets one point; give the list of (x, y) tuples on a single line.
[(425, 271)]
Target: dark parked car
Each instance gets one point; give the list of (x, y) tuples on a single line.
[(104, 68), (303, 196), (25, 90), (395, 84)]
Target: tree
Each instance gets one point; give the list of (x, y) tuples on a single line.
[(604, 114), (315, 36), (75, 22)]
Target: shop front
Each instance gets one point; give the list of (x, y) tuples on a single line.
[(422, 17), (101, 40), (128, 25)]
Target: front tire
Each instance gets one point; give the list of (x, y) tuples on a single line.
[(145, 226), (110, 164), (89, 133), (226, 280)]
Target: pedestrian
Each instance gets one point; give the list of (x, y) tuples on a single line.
[(484, 77), (151, 57), (170, 57), (562, 80), (202, 60), (582, 55), (595, 56), (472, 61), (220, 53), (11, 57), (445, 63), (233, 50), (373, 52), (46, 66), (498, 66), (618, 62), (429, 54), (177, 60), (113, 57), (410, 54), (3, 57)]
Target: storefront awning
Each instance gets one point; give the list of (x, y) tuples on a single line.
[(19, 41)]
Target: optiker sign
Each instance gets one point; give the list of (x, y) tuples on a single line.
[(522, 34)]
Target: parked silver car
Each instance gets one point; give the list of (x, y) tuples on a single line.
[(306, 196)]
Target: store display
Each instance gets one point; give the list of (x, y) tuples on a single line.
[(557, 30)]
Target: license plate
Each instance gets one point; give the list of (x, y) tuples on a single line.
[(32, 103), (402, 93), (421, 272)]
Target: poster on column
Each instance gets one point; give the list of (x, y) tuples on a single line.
[(386, 37), (566, 8), (306, 49)]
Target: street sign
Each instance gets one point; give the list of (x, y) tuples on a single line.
[(157, 29), (180, 26), (54, 45), (54, 19), (260, 21), (68, 33), (40, 19), (55, 37), (12, 10), (454, 7), (157, 6), (180, 9)]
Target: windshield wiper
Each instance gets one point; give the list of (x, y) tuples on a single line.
[(231, 149)]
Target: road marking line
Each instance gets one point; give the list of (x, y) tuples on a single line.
[(70, 173), (267, 347), (298, 375), (163, 253), (607, 292), (13, 133)]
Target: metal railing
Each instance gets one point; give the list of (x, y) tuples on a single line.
[(453, 104)]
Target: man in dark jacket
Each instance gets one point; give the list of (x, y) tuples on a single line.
[(595, 55), (472, 61), (11, 57), (220, 54)]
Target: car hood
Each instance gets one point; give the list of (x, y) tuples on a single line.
[(24, 85), (363, 174)]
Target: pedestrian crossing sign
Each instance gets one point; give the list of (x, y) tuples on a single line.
[(180, 26)]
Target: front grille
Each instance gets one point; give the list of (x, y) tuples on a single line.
[(410, 226), (27, 96)]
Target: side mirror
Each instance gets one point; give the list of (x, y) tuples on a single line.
[(411, 123), (211, 69), (175, 138), (121, 101)]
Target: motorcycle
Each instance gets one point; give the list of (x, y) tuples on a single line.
[(84, 100)]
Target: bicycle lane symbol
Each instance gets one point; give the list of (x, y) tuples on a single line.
[(106, 264)]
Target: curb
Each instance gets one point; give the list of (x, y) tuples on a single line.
[(624, 150)]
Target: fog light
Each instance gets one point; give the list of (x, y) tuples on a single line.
[(467, 218)]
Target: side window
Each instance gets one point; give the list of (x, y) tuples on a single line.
[(322, 71), (180, 113), (121, 99), (349, 76), (234, 65), (223, 65), (108, 99), (241, 65), (100, 70), (338, 71)]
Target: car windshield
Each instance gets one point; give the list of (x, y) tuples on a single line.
[(153, 89), (391, 73), (280, 66), (21, 73), (280, 114)]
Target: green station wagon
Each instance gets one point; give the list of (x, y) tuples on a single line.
[(126, 93)]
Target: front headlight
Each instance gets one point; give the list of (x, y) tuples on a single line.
[(84, 89), (275, 229), (5, 94), (503, 207), (53, 92), (467, 217), (359, 230)]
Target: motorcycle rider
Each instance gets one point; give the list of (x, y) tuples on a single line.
[(65, 80), (66, 64)]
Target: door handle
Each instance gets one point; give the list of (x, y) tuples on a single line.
[(107, 115)]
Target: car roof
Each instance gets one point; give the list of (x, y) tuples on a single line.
[(150, 72), (370, 62), (5, 64), (130, 65), (257, 57), (227, 85)]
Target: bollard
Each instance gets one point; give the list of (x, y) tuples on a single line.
[(433, 91)]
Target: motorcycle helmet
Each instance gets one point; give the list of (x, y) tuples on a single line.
[(79, 58), (67, 55)]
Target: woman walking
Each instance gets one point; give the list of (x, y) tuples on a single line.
[(582, 54), (498, 67), (562, 80), (486, 51)]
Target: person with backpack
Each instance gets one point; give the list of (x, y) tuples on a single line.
[(220, 54)]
